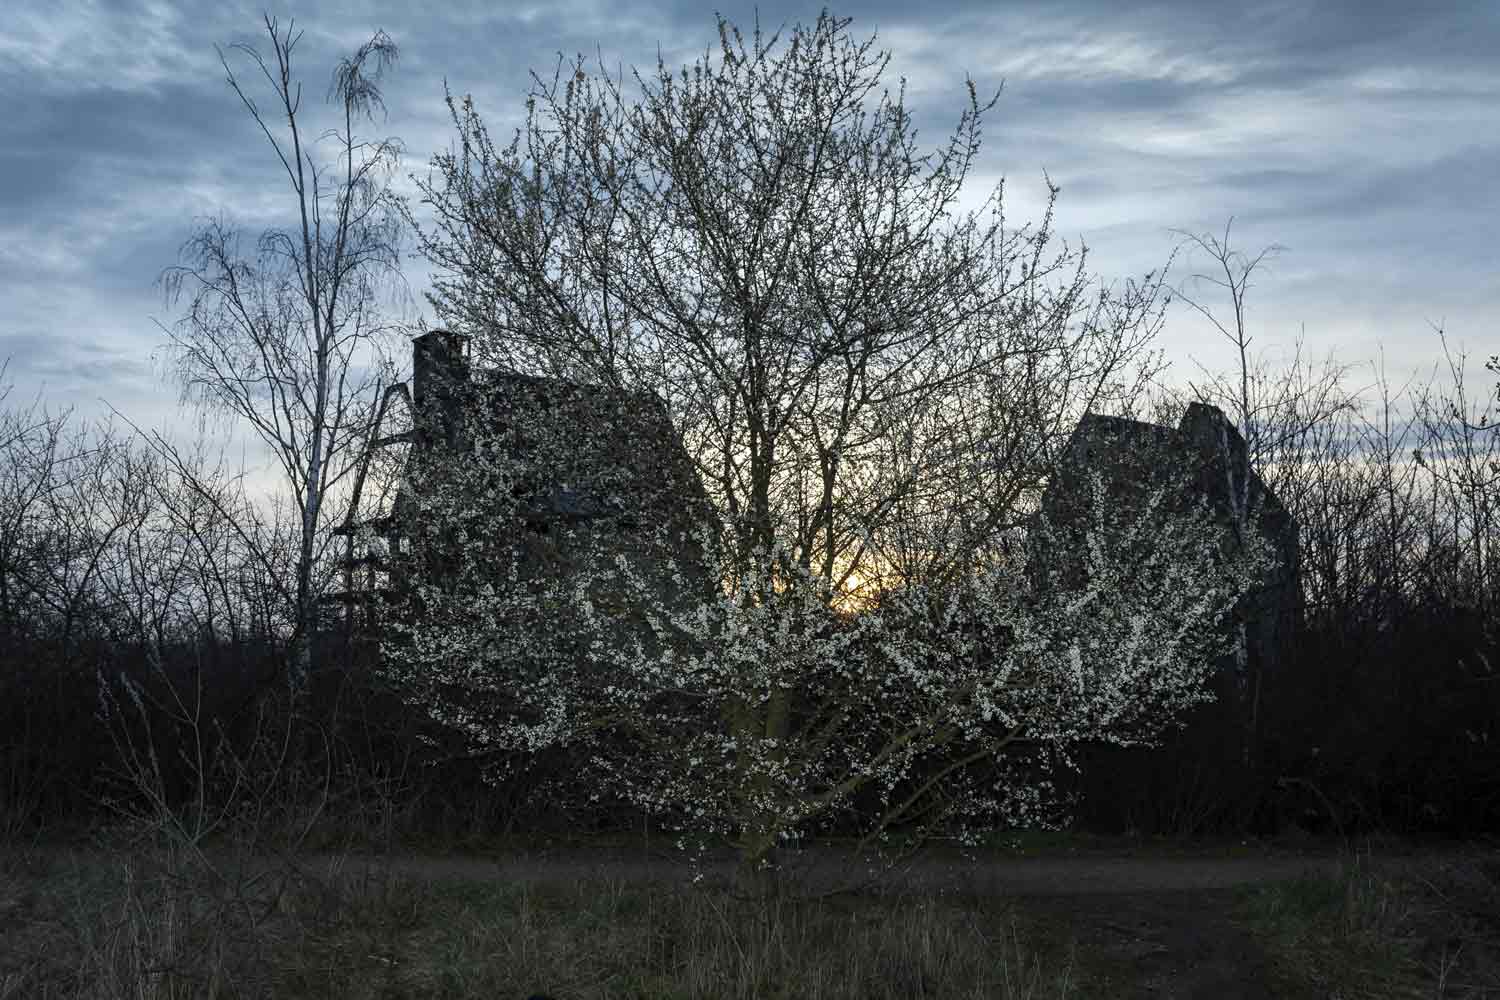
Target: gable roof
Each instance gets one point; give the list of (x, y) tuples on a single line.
[(1205, 445), (609, 453)]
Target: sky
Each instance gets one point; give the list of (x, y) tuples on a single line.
[(1362, 136)]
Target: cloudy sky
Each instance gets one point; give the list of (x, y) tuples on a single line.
[(1363, 136)]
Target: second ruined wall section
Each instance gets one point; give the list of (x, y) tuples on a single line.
[(1203, 459)]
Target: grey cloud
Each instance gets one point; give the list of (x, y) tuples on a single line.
[(1357, 133), (70, 357)]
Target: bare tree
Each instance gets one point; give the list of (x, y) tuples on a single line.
[(289, 342), (1395, 679), (64, 506), (797, 251), (1270, 416), (870, 386), (1462, 454), (1269, 412)]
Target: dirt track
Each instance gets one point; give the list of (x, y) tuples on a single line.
[(1145, 925), (817, 870), (823, 870)]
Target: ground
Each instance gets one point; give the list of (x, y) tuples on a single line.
[(1122, 919), (1162, 927), (1178, 944), (1146, 920)]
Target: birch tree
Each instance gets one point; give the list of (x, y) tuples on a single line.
[(758, 244), (1272, 417), (289, 341)]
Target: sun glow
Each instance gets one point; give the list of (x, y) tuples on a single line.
[(855, 595)]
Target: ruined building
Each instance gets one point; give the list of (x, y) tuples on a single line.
[(609, 466), (602, 463), (1203, 457), (1207, 454)]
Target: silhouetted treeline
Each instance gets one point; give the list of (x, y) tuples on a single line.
[(146, 627), (1388, 714)]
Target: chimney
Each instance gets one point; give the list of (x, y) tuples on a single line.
[(440, 376)]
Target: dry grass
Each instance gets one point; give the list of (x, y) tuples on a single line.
[(116, 921), (1387, 929), (150, 913), (169, 928)]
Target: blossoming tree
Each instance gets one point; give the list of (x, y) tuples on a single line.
[(872, 391)]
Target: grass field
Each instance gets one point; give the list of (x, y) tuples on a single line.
[(1420, 929), (114, 924)]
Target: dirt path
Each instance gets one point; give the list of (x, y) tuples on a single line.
[(817, 870), (1140, 927)]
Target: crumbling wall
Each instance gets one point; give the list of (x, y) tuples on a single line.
[(602, 474), (1203, 458), (607, 475)]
